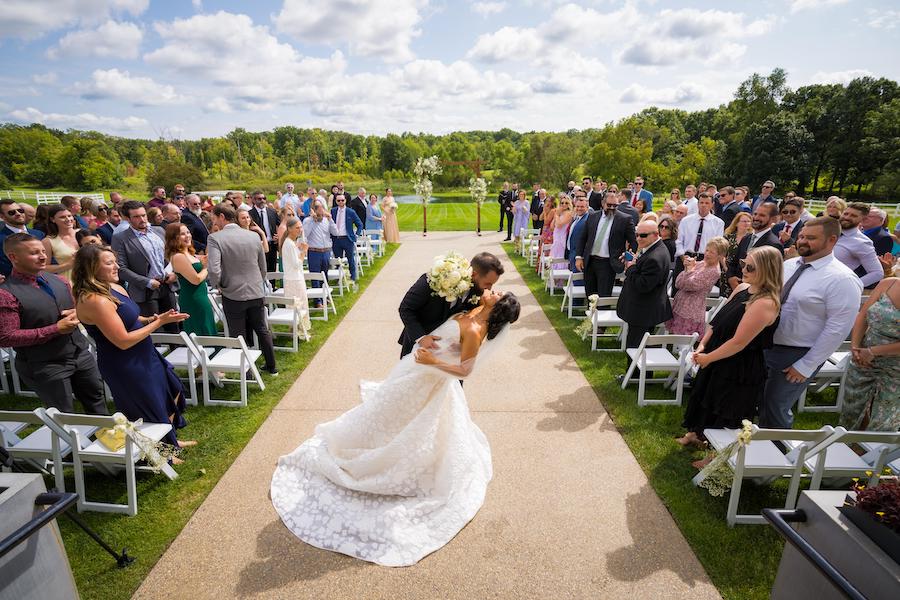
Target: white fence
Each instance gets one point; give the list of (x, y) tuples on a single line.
[(46, 197)]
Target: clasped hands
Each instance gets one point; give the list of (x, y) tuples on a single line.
[(862, 357)]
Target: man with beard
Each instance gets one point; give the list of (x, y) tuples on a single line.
[(604, 237), (764, 217), (192, 217), (855, 249), (819, 302)]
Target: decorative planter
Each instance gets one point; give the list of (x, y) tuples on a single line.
[(884, 537)]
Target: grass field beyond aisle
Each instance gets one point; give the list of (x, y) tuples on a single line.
[(450, 216), (164, 507), (741, 561)]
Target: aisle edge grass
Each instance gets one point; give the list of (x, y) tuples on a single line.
[(164, 507)]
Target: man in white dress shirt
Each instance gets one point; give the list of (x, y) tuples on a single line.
[(289, 198), (690, 199), (818, 309), (695, 231), (855, 249)]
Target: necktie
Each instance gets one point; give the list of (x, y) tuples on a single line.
[(699, 235), (787, 229), (598, 241), (42, 283), (752, 241), (785, 292)]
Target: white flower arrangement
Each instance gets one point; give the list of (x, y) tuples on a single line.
[(478, 189), (586, 327), (392, 205), (424, 170), (450, 276), (716, 477), (157, 454)]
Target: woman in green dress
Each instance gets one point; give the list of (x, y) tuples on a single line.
[(193, 295)]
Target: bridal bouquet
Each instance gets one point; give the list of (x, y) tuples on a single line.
[(450, 276)]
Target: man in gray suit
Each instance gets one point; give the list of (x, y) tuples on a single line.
[(237, 266), (140, 250)]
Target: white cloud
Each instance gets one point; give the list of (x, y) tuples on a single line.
[(383, 28), (506, 44), (883, 19), (79, 121), (111, 39), (120, 85), (486, 9), (28, 19), (686, 93), (241, 61), (799, 5), (45, 78), (842, 77), (198, 4)]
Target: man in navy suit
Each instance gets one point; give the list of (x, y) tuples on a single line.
[(874, 226), (606, 236), (729, 204), (626, 207), (764, 218), (766, 195), (576, 229), (190, 217), (641, 194), (790, 225), (348, 227), (12, 220)]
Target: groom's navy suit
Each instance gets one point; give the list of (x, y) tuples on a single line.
[(422, 312)]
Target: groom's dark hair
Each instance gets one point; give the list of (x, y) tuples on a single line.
[(486, 262)]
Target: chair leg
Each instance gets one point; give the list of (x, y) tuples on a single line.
[(130, 483), (628, 374)]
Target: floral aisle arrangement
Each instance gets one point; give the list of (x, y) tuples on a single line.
[(423, 171), (450, 276), (717, 476), (478, 191), (585, 328), (157, 454)]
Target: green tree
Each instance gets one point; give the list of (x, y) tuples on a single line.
[(551, 158), (168, 173), (777, 148)]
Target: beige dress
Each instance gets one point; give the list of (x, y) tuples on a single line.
[(391, 228), (62, 252)]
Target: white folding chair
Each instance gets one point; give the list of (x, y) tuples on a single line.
[(226, 355), (17, 389), (527, 235), (558, 271), (336, 273), (572, 292), (376, 242), (762, 459), (179, 350), (832, 373), (364, 251), (713, 306), (5, 358), (843, 463), (322, 293), (648, 358), (38, 448), (534, 247), (215, 300), (605, 317), (69, 427), (288, 312)]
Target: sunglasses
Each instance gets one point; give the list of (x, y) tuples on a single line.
[(644, 235), (789, 212), (21, 211), (260, 197), (664, 227), (749, 267)]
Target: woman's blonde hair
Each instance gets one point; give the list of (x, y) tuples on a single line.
[(84, 274), (732, 228), (720, 244), (769, 274)]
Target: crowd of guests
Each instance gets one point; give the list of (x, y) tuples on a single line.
[(123, 270), (793, 283)]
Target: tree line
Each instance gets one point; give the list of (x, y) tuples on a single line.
[(815, 140)]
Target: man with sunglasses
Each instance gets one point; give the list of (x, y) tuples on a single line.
[(729, 204), (790, 224), (348, 226), (639, 193), (12, 220), (268, 222), (601, 241), (766, 195)]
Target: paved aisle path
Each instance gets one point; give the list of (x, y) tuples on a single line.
[(569, 513)]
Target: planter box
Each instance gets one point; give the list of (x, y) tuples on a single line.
[(847, 548)]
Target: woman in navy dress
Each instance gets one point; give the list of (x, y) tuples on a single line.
[(143, 384)]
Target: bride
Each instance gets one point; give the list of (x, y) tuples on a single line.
[(398, 476)]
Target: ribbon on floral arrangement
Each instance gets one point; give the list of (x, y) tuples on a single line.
[(586, 327), (157, 454), (717, 476)]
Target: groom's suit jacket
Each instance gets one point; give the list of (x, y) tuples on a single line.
[(422, 312)]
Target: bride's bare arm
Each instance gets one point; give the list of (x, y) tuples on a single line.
[(470, 342)]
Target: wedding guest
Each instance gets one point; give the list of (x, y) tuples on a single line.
[(668, 208), (818, 306), (37, 319), (765, 195), (101, 225), (283, 215), (547, 217), (501, 200), (288, 198), (856, 250), (668, 233), (84, 237), (359, 204), (30, 213), (13, 220), (790, 224), (170, 214), (695, 231), (237, 266), (154, 216), (319, 230), (561, 222), (680, 212), (267, 221), (245, 221), (694, 284), (293, 248), (87, 212), (349, 226), (764, 217), (741, 196), (389, 209), (690, 199), (734, 234), (729, 204), (640, 205), (60, 243), (73, 205), (644, 303), (626, 207), (731, 354), (374, 218), (196, 220), (575, 237), (158, 199), (874, 226), (521, 214), (537, 208), (193, 294), (834, 208), (675, 196), (872, 387), (641, 194), (143, 384)]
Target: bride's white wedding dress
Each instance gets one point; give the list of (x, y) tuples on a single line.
[(397, 477)]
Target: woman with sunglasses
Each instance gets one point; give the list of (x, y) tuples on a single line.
[(668, 233), (101, 225), (730, 355), (561, 227)]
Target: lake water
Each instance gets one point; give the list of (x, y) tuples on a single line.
[(438, 199)]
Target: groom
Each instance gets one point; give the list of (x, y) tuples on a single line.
[(422, 311)]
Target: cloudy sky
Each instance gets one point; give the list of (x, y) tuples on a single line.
[(181, 68)]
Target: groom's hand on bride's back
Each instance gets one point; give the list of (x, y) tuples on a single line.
[(429, 342)]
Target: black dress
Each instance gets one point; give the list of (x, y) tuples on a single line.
[(728, 390)]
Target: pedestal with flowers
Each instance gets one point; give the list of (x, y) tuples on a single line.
[(423, 171), (478, 190)]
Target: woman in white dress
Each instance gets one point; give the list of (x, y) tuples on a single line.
[(293, 247), (398, 476)]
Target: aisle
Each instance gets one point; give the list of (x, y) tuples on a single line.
[(569, 513)]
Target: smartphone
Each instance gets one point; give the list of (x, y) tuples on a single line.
[(628, 256)]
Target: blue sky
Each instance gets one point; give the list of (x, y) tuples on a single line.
[(188, 69)]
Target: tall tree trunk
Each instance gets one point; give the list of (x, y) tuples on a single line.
[(815, 189), (841, 182)]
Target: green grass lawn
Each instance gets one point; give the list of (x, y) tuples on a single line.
[(741, 561), (164, 506), (449, 216)]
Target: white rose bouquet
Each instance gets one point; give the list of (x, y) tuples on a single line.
[(450, 276)]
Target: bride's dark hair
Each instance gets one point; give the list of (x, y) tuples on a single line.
[(506, 310)]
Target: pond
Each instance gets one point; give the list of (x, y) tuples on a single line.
[(437, 199)]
